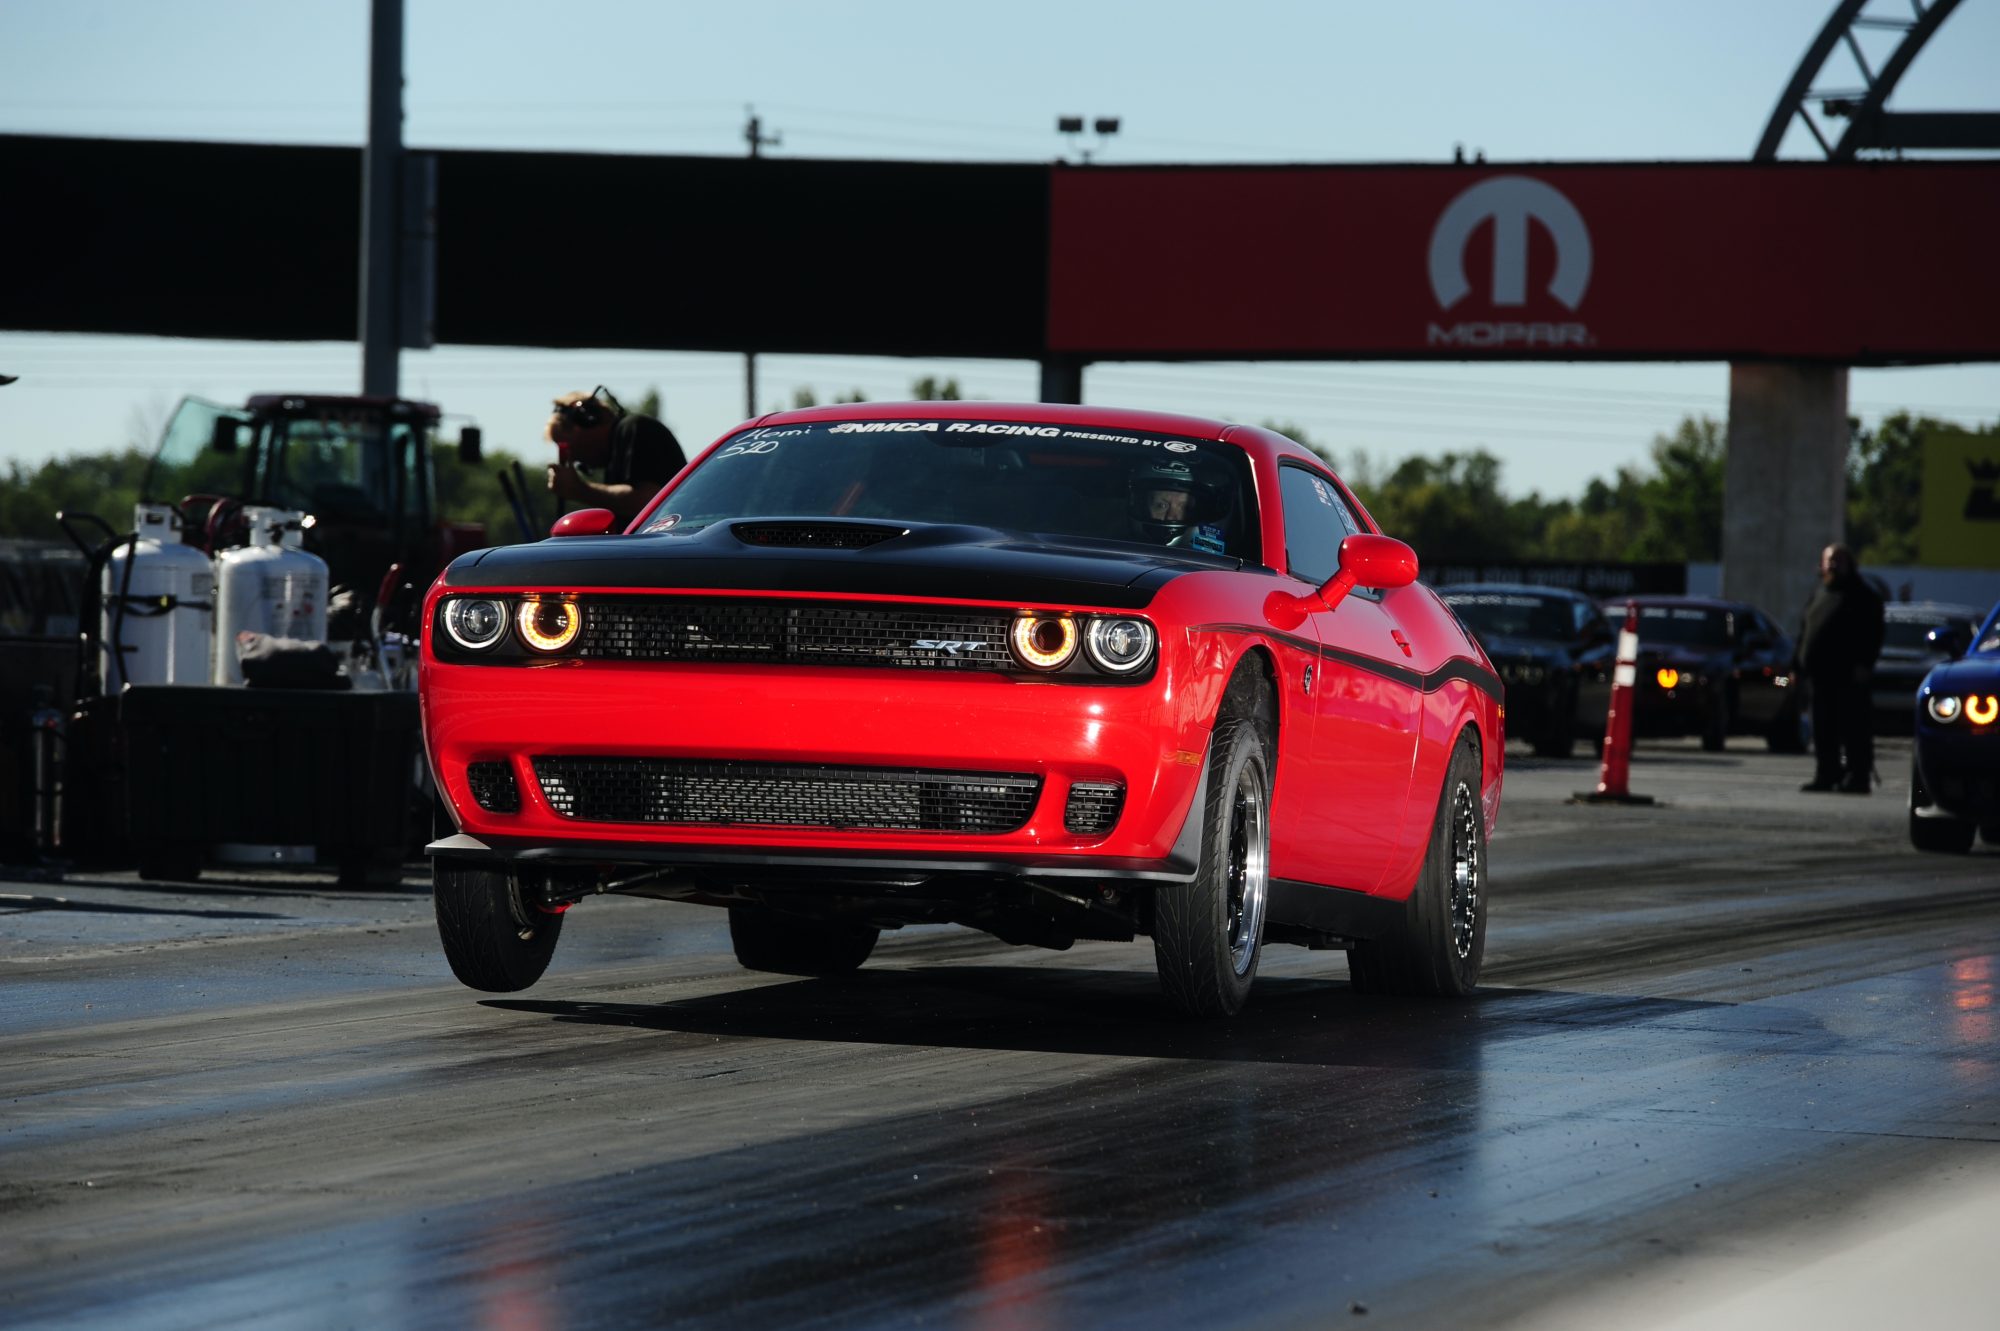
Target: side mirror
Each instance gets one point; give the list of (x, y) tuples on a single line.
[(1369, 561), (469, 444), (222, 435), (585, 522)]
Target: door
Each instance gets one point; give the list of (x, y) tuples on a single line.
[(1363, 704)]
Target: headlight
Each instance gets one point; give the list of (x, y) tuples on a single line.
[(1982, 711), (475, 622), (1943, 707), (549, 624), (1044, 642), (1119, 646)]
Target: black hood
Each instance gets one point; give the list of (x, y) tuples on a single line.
[(874, 559)]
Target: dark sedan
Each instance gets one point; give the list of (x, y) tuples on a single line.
[(1917, 637), (1553, 650), (1713, 668)]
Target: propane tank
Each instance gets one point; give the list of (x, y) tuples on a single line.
[(269, 586), (157, 624)]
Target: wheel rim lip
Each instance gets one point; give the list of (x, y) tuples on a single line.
[(1247, 870), (1466, 870)]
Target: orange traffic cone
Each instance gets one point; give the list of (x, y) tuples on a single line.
[(1614, 773)]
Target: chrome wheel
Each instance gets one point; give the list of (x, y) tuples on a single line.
[(1466, 870), (1248, 879)]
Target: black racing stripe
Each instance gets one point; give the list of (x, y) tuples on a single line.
[(1471, 672)]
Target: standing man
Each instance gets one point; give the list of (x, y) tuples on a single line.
[(1838, 644), (634, 455)]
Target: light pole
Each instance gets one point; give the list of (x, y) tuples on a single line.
[(753, 134)]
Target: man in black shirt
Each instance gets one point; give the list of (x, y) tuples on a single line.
[(633, 455), (1838, 644)]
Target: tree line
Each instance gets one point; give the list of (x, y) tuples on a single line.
[(1452, 506)]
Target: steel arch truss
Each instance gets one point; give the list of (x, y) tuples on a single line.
[(1874, 67)]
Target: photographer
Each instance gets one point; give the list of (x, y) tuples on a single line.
[(633, 455)]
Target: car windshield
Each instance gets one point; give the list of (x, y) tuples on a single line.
[(1687, 625), (1911, 632), (1512, 614), (1065, 480)]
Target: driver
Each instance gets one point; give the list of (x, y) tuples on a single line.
[(1163, 503)]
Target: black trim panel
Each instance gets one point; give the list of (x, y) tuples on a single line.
[(1471, 672), (1176, 868), (1334, 911)]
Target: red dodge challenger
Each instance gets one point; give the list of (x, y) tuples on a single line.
[(1052, 672)]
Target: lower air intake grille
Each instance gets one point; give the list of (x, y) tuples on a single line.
[(1093, 807), (493, 787), (661, 790)]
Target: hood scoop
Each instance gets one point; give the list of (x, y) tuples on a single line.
[(816, 535)]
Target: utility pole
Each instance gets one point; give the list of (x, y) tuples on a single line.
[(381, 199), (753, 134)]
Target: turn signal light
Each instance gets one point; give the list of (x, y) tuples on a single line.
[(1045, 642), (1982, 711), (549, 625), (1668, 678)]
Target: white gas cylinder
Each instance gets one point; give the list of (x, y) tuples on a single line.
[(269, 587), (158, 618)]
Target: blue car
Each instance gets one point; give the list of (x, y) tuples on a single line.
[(1955, 771)]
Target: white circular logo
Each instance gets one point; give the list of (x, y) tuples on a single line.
[(1178, 446)]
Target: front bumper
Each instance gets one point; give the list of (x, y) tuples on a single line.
[(1960, 771), (1061, 733)]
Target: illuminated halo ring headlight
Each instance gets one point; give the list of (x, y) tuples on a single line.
[(548, 623), (475, 622), (1943, 707), (1982, 711), (1044, 642), (1118, 646)]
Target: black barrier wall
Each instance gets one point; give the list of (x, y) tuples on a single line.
[(534, 249)]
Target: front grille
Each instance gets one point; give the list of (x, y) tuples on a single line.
[(661, 628), (823, 535), (493, 787), (662, 790), (1093, 807)]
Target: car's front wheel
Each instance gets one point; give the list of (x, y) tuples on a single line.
[(1209, 934), (790, 945), (1949, 836), (494, 937), (1440, 942)]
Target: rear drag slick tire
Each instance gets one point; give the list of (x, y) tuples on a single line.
[(1440, 942), (766, 940)]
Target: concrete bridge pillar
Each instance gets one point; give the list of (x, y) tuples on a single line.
[(1785, 483)]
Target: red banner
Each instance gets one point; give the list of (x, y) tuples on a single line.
[(1854, 263)]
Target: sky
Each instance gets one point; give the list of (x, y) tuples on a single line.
[(1328, 81)]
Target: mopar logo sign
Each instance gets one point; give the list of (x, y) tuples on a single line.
[(1510, 203)]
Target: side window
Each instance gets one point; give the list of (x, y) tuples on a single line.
[(1316, 522)]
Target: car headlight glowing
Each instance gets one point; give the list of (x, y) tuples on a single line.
[(1044, 642), (475, 622), (1982, 711), (1942, 707), (549, 624), (1668, 678), (1119, 646)]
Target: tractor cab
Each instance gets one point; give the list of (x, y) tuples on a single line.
[(360, 468)]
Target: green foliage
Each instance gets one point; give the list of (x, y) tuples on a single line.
[(932, 389), (106, 484), (473, 493), (1885, 475)]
